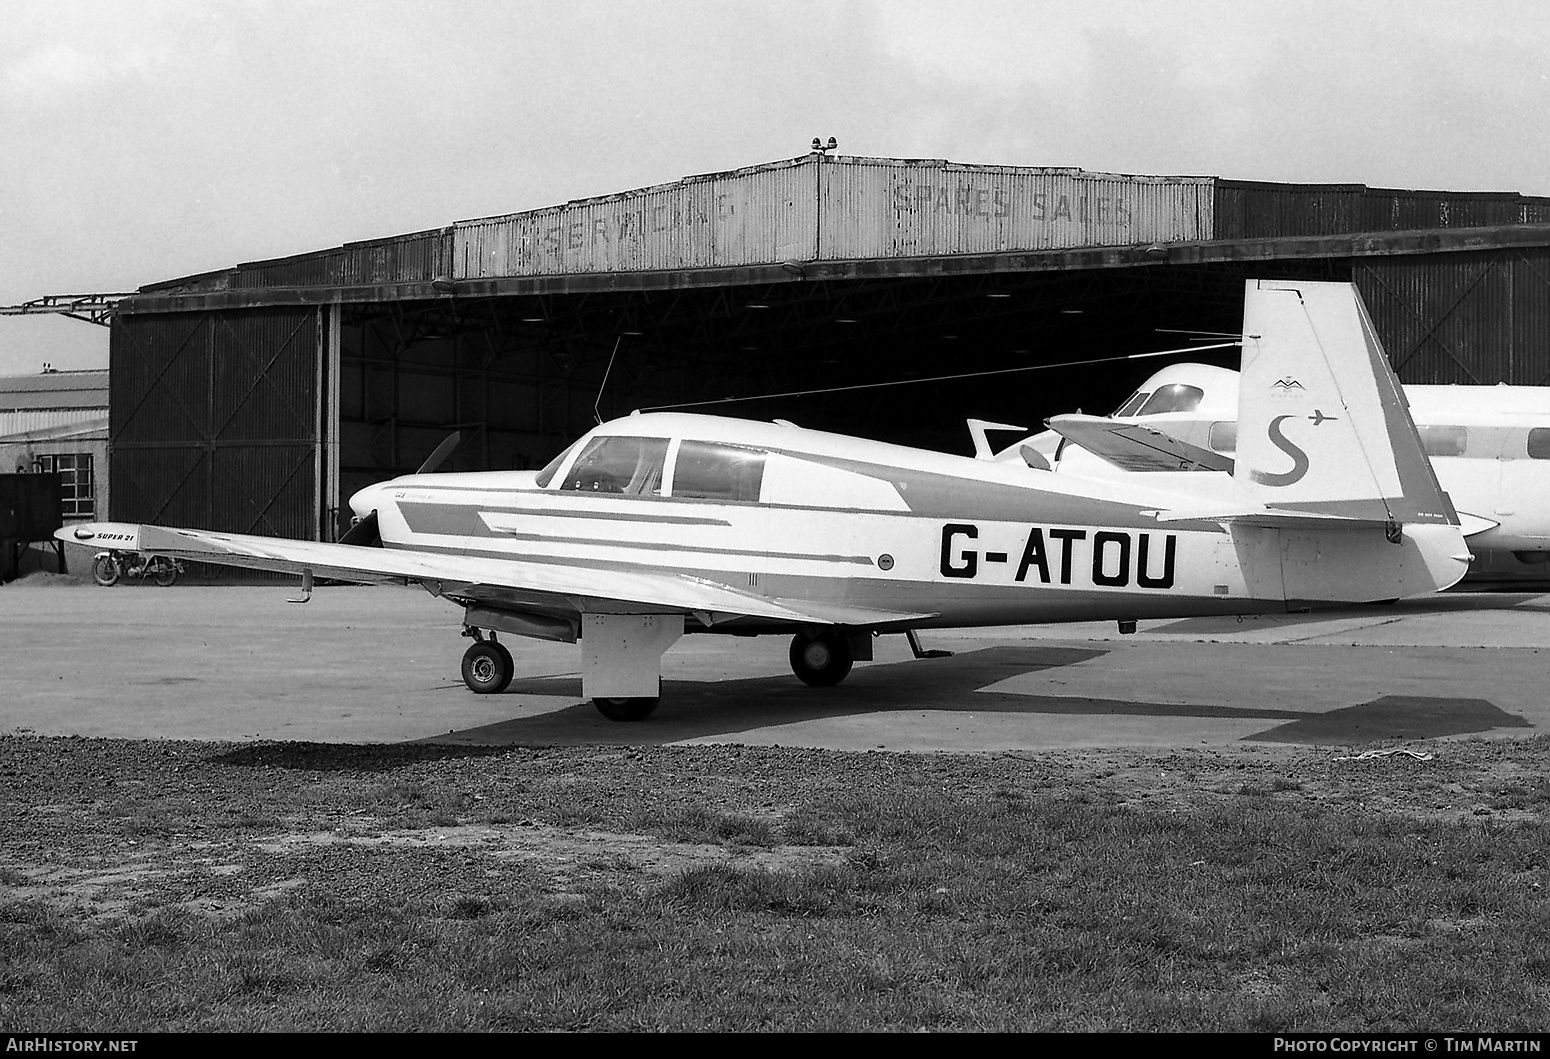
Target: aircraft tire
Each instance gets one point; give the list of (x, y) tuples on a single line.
[(821, 659), (626, 709), (487, 668), (105, 570)]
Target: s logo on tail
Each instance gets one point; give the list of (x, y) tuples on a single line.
[(1299, 458)]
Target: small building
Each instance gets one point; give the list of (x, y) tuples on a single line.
[(58, 422)]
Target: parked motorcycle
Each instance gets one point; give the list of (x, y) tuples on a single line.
[(108, 567)]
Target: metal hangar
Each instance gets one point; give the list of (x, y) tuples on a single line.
[(258, 398)]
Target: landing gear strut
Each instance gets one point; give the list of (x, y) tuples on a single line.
[(821, 659), (487, 665)]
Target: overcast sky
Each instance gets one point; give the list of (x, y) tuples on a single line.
[(140, 140)]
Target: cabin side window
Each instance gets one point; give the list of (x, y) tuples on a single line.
[(707, 471), (1539, 443), (1174, 397), (1444, 440), (629, 466), (1223, 437)]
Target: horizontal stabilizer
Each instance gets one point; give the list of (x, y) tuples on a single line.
[(1271, 518), (1133, 447), (1469, 525)]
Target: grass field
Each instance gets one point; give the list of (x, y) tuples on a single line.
[(181, 886)]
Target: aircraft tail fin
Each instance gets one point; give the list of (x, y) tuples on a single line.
[(1323, 425)]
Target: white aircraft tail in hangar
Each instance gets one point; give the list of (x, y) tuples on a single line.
[(1488, 445), (658, 524)]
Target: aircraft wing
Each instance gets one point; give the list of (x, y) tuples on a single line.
[(1133, 447), (510, 582)]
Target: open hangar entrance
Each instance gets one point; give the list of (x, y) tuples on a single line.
[(521, 376), (258, 399), (866, 356)]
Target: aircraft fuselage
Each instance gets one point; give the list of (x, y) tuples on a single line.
[(952, 541)]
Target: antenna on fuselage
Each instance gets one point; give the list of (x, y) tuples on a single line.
[(597, 415)]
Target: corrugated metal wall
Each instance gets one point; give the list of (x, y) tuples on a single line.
[(848, 208), (213, 421), (837, 209), (1469, 317), (418, 258), (879, 208), (1252, 210), (752, 216), (31, 419)]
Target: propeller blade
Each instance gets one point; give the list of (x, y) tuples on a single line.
[(364, 533), (442, 452)]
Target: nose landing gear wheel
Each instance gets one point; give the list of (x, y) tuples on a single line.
[(625, 709), (487, 668), (821, 659)]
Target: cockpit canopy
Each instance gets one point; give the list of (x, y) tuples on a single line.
[(1172, 397), (634, 466), (651, 465)]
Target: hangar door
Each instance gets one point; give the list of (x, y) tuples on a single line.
[(215, 421)]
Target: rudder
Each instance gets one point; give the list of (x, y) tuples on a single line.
[(1323, 426)]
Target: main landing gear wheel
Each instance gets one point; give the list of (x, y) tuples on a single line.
[(821, 659), (625, 709), (487, 668)]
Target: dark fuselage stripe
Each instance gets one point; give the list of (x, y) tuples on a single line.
[(548, 538), (608, 516), (562, 560)]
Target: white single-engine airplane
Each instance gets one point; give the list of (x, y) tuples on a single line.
[(1489, 447), (655, 525)]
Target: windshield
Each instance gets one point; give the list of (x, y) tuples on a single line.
[(546, 475), (1131, 404), (1175, 397), (632, 466)]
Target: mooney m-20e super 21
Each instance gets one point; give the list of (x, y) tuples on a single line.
[(1489, 446), (653, 525)]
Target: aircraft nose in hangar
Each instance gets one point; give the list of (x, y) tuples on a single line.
[(365, 501)]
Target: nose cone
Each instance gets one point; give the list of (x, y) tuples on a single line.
[(366, 500)]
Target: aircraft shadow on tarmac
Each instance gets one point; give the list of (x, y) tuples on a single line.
[(700, 709)]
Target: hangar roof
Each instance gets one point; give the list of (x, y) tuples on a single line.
[(844, 217), (54, 390)]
